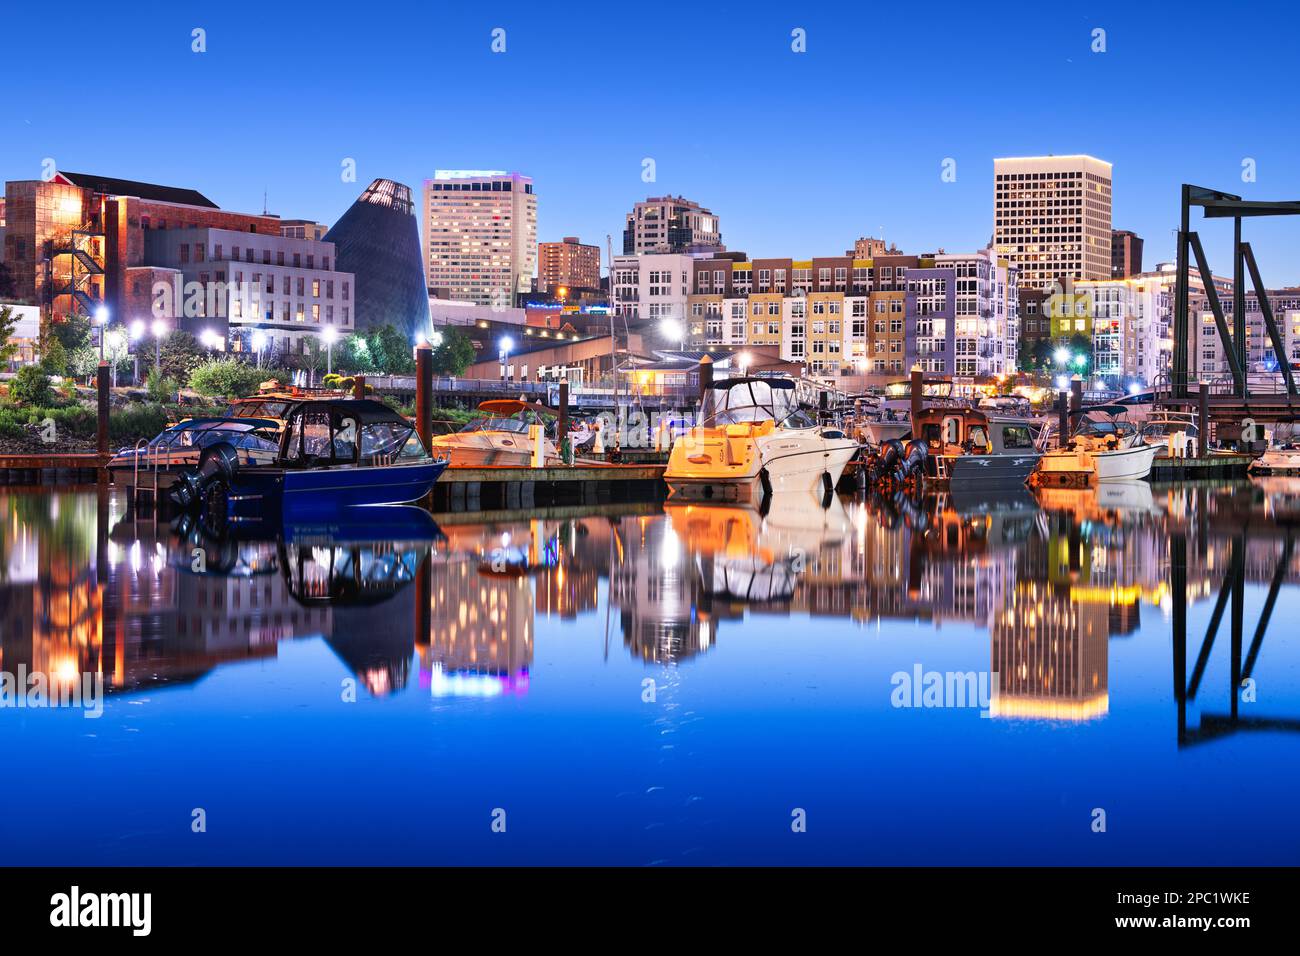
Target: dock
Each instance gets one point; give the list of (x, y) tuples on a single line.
[(51, 469), (1210, 467), (507, 487)]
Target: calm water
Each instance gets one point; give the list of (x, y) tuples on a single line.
[(660, 685)]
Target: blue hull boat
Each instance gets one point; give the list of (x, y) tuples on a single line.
[(334, 455), (296, 495)]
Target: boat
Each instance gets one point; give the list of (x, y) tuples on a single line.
[(1277, 460), (1100, 449), (177, 448), (504, 436), (1174, 434), (754, 439), (970, 449), (334, 454)]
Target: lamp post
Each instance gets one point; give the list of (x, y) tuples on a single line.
[(101, 319), (259, 343), (504, 346), (137, 333), (159, 329), (329, 335)]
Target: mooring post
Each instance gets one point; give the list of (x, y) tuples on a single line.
[(1076, 393), (101, 424), (1203, 423), (562, 442), (706, 388), (424, 393), (359, 386), (1062, 421), (918, 397)]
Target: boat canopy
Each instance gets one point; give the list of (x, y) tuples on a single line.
[(344, 432), (748, 400), (513, 406)]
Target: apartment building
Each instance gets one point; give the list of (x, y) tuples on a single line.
[(1052, 217), (671, 224), (568, 264), (286, 287), (1207, 356), (651, 288), (949, 314), (1129, 321), (480, 235)]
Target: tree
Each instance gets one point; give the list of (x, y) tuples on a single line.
[(72, 331), (161, 387), (54, 357), (8, 322), (181, 354), (31, 386), (354, 354), (391, 350), (314, 359), (454, 353), (227, 377)]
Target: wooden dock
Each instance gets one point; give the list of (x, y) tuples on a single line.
[(50, 469), (1211, 467), (508, 487)]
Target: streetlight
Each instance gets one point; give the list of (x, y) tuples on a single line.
[(1062, 356), (101, 319), (744, 359), (259, 343), (137, 333), (159, 329), (505, 344), (674, 331), (329, 335)]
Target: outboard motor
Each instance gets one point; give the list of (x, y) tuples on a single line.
[(912, 461), (891, 452), (217, 461)]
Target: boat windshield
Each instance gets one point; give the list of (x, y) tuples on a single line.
[(1104, 428), (517, 425), (757, 401), (277, 408), (1164, 427)]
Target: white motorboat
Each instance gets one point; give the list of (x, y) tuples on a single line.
[(157, 463), (1277, 460), (507, 435), (1101, 449), (1174, 434), (753, 437)]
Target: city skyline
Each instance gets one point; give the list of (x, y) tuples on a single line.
[(588, 178)]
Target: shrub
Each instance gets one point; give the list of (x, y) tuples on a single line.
[(227, 377), (133, 422), (160, 387), (31, 386)]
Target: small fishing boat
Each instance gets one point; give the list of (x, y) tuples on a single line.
[(333, 454), (754, 439), (506, 435), (972, 450), (1101, 449), (177, 448)]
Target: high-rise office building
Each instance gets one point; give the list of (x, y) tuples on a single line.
[(1052, 216), (480, 235), (1125, 254), (671, 224), (568, 264)]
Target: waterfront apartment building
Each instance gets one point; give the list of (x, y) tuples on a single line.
[(651, 288), (568, 264), (671, 224), (480, 235), (71, 242), (952, 315), (286, 287), (1052, 217), (1207, 358), (1125, 254), (1129, 328)]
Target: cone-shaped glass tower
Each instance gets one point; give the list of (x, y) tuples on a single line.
[(378, 240)]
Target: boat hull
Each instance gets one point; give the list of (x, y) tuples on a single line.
[(1276, 463), (804, 462), (480, 449), (293, 495), (997, 472), (1083, 466)]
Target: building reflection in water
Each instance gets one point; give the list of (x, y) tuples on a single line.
[(1051, 577)]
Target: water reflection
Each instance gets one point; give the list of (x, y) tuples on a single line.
[(1051, 578)]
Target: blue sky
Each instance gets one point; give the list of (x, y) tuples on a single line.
[(797, 153)]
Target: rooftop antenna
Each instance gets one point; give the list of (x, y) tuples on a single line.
[(264, 209)]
